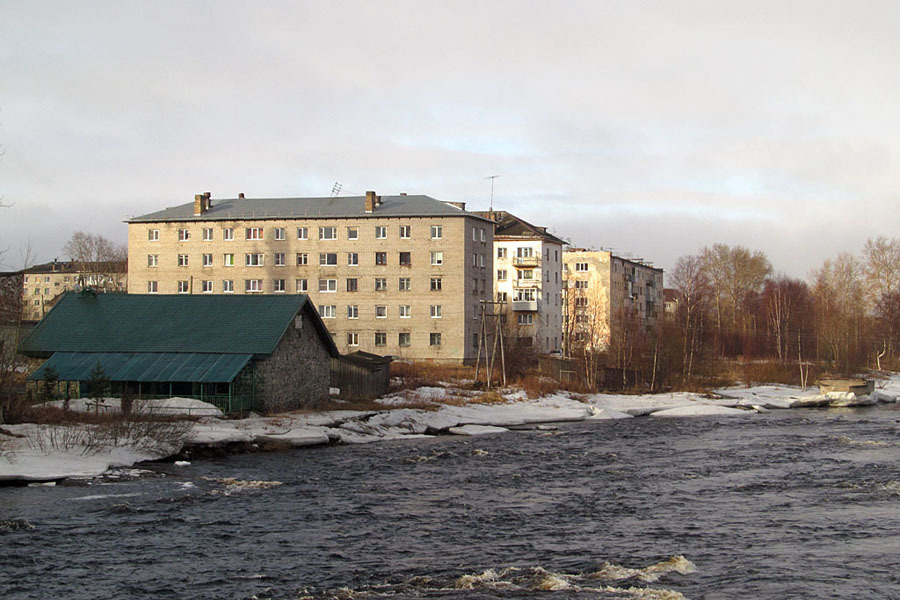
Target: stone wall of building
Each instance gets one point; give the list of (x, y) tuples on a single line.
[(298, 373)]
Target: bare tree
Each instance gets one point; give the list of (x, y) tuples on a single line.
[(587, 327), (101, 262), (690, 280), (881, 265), (735, 273), (838, 294)]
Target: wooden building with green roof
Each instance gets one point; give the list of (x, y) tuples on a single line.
[(268, 353)]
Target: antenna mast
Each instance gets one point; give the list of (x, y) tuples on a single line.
[(492, 178), (336, 189)]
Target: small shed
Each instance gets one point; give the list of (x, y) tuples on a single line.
[(361, 375), (268, 353)]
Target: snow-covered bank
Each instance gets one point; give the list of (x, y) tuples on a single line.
[(23, 456)]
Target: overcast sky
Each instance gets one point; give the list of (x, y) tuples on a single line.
[(654, 128)]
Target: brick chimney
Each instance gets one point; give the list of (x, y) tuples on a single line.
[(371, 201), (241, 196), (202, 203)]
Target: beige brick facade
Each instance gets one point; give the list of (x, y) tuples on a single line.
[(407, 285), (600, 288)]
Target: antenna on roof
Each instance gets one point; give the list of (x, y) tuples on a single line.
[(492, 178), (336, 189)]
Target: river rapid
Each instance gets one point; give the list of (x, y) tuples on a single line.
[(787, 504)]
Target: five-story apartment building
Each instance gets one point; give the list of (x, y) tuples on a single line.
[(399, 275)]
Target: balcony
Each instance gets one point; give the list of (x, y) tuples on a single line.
[(528, 283), (526, 262), (525, 305)]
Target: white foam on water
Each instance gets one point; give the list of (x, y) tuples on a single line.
[(677, 564), (102, 496)]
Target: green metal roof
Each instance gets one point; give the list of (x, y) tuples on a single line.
[(217, 324), (145, 367)]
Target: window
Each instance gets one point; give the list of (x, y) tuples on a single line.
[(501, 274), (525, 295), (482, 234), (474, 259), (153, 235), (525, 319), (228, 234), (352, 285), (352, 339), (437, 232), (436, 312), (327, 311), (380, 338), (327, 233), (403, 339), (352, 311), (434, 339), (381, 312), (353, 259), (405, 259), (207, 234), (302, 286), (501, 252), (380, 284), (405, 311), (302, 233), (581, 302), (152, 287), (353, 233), (207, 260), (525, 274), (182, 260), (481, 260), (581, 285), (474, 234), (183, 287), (501, 297), (474, 340), (524, 252), (206, 286), (228, 286), (302, 259), (254, 233), (253, 285), (581, 267), (404, 232), (328, 285), (328, 259), (153, 260), (380, 232), (279, 234), (437, 258), (279, 259), (436, 284), (278, 285), (254, 260), (381, 258), (405, 284), (228, 260), (184, 235)]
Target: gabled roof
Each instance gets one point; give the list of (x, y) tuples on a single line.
[(508, 224), (307, 208), (109, 323)]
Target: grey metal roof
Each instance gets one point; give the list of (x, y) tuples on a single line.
[(308, 208)]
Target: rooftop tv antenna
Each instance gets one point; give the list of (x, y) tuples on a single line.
[(336, 189), (492, 178)]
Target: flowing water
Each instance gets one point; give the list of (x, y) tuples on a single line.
[(789, 504)]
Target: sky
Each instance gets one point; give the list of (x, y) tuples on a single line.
[(651, 128)]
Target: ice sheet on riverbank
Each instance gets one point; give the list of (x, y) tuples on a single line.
[(445, 411)]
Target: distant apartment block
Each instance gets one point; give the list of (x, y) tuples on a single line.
[(604, 291), (395, 275), (528, 279), (43, 284)]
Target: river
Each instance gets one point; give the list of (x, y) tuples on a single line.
[(787, 504)]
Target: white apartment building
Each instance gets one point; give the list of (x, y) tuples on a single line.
[(528, 279)]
